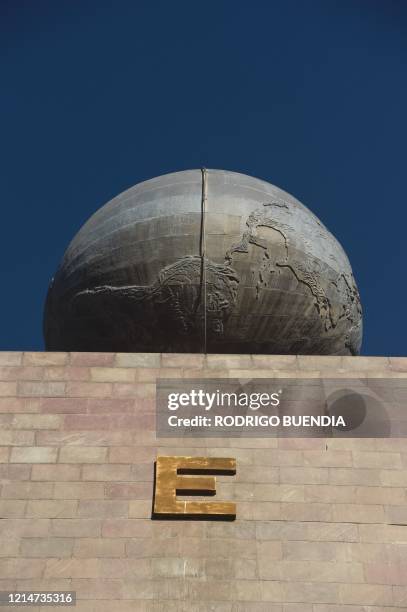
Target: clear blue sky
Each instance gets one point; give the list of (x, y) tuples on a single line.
[(98, 95)]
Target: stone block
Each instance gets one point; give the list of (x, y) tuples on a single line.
[(39, 389), (321, 363), (63, 405), (370, 552), (10, 405), (33, 454), (294, 475), (88, 389), (365, 594), (66, 373), (221, 590), (278, 492), (97, 589), (4, 454), (311, 592), (45, 359), (183, 360), (5, 421), (274, 362), (132, 454), (138, 360), (393, 478), (312, 571), (109, 421), (398, 364), (87, 438), (76, 528), (27, 528), (99, 547), (27, 490), (17, 438), (110, 406), (268, 552), (241, 530), (127, 528), (340, 608), (9, 548), (303, 443), (106, 472), (140, 509), (382, 460), (245, 569), (48, 508), (366, 363), (46, 547), (228, 362), (396, 515), (328, 458), (11, 508), (36, 421), (272, 457), (381, 495), (103, 508), (306, 511), (8, 389), (354, 444), (11, 358), (16, 568), (272, 590), (82, 454), (300, 607), (139, 390), (314, 551), (21, 373), (100, 374), (72, 568), (399, 597), (150, 375), (134, 490), (55, 472), (329, 494), (92, 359), (387, 533), (347, 476), (358, 513), (78, 490)]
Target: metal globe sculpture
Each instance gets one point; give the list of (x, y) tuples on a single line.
[(204, 261)]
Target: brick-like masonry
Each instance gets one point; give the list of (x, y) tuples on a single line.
[(321, 523)]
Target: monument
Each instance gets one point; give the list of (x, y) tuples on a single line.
[(204, 261), (198, 282)]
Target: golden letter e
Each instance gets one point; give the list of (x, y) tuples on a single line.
[(190, 476)]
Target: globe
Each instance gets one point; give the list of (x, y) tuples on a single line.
[(204, 261)]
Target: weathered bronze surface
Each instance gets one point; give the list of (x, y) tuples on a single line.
[(204, 261), (171, 480)]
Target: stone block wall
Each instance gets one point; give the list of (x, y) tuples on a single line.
[(321, 523)]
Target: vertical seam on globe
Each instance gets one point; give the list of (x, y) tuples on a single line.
[(204, 198)]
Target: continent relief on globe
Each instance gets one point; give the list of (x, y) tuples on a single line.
[(246, 269)]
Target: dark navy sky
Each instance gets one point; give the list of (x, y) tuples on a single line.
[(98, 95)]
